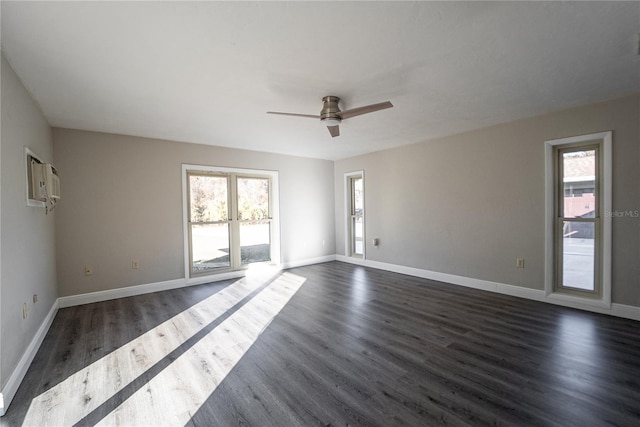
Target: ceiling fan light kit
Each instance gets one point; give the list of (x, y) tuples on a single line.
[(331, 116)]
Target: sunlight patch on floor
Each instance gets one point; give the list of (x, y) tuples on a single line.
[(576, 344), (175, 395), (78, 395)]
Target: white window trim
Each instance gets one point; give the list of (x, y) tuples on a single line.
[(605, 138), (347, 214), (275, 212)]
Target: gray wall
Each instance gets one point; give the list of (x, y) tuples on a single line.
[(122, 200), (28, 239), (470, 204)]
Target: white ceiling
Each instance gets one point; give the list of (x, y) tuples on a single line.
[(206, 72)]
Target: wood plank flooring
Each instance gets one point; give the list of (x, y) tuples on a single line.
[(331, 344)]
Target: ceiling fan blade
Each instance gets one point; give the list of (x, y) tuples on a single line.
[(294, 114), (364, 110), (334, 131)]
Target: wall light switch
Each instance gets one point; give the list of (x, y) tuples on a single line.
[(88, 270), (520, 262), (135, 264)]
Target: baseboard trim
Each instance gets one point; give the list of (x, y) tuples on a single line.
[(618, 310), (129, 291), (10, 389), (626, 311), (308, 261)]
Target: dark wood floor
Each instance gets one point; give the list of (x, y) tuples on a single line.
[(358, 346)]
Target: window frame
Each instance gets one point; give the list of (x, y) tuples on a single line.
[(232, 175), (553, 200), (239, 222), (190, 224), (560, 218), (350, 215)]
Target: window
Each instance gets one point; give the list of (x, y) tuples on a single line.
[(253, 195), (209, 222), (578, 219), (230, 221), (355, 214), (578, 228)]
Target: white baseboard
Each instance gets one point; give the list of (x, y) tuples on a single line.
[(618, 310), (308, 261), (626, 311), (10, 389), (130, 291)]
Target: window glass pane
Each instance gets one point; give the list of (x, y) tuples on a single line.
[(578, 255), (208, 198), (255, 242), (358, 234), (357, 192), (209, 246), (253, 198), (578, 183)]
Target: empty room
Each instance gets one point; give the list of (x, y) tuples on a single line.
[(319, 213)]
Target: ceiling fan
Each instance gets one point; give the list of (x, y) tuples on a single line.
[(331, 115)]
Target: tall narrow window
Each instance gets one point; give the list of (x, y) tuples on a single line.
[(578, 239), (578, 219), (355, 184), (254, 219), (209, 225), (230, 220)]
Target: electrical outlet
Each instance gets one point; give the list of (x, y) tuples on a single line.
[(135, 264), (25, 310), (520, 262), (88, 270)]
